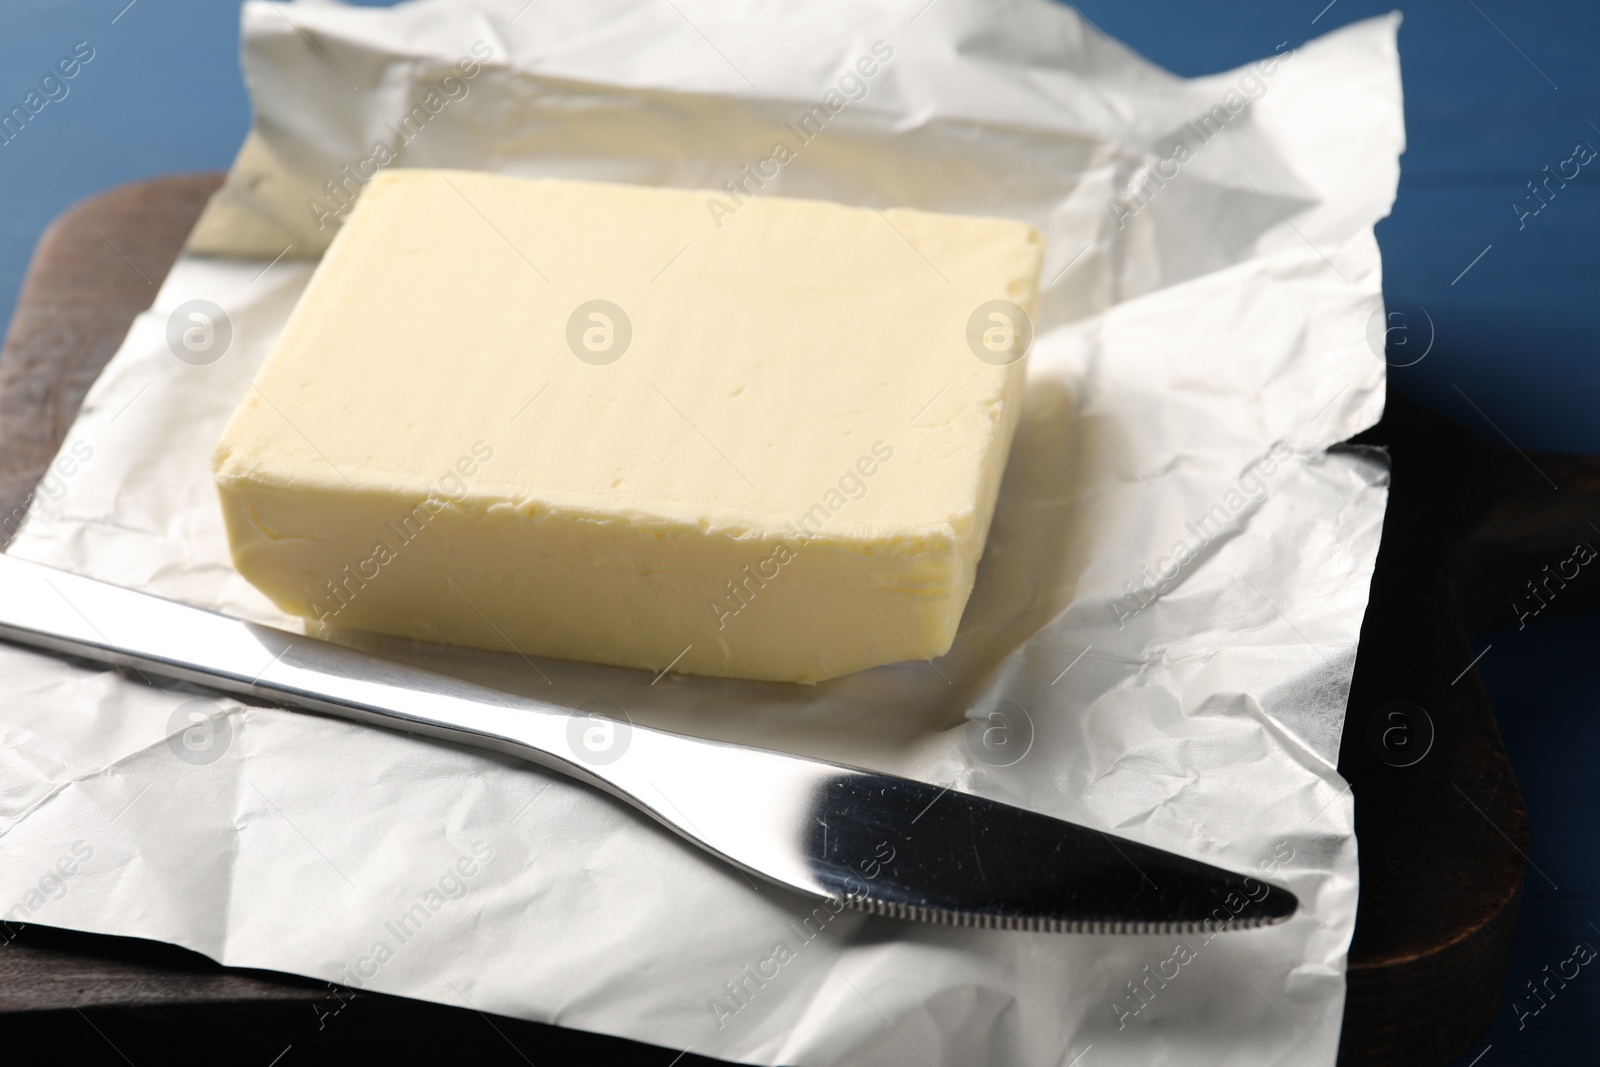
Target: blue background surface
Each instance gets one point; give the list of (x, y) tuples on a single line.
[(1495, 92)]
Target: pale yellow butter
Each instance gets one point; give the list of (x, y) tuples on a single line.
[(773, 453)]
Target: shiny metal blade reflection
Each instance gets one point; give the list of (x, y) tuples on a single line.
[(912, 851)]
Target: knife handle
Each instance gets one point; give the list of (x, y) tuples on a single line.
[(157, 638), (682, 782)]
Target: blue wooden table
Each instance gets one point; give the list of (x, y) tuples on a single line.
[(1502, 259)]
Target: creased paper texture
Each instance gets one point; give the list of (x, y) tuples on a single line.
[(1165, 619)]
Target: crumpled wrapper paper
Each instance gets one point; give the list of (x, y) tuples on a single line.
[(1165, 621)]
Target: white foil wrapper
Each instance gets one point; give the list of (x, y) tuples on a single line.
[(1166, 616)]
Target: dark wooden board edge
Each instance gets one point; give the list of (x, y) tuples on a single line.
[(94, 998), (1442, 842), (96, 268)]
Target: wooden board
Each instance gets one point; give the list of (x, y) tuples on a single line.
[(1442, 842)]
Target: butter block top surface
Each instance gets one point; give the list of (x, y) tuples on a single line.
[(763, 353)]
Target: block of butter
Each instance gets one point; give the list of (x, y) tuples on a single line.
[(713, 433)]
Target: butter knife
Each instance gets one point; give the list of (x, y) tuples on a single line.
[(847, 836)]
